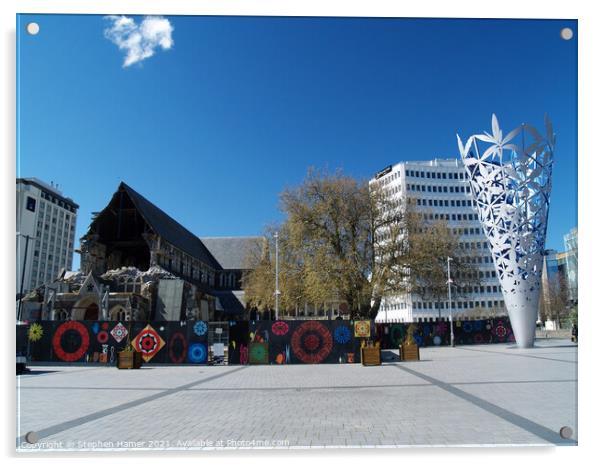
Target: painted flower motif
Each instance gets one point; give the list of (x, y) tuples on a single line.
[(200, 328), (244, 354), (342, 335), (440, 328), (35, 332), (280, 328), (119, 332)]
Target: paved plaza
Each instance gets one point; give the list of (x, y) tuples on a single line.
[(469, 395)]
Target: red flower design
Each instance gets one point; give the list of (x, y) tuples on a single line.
[(85, 341), (308, 335), (279, 328)]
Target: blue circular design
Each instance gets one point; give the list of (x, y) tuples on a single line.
[(342, 335), (197, 353), (477, 325), (426, 329), (200, 328), (418, 339), (467, 327), (95, 327), (437, 340)]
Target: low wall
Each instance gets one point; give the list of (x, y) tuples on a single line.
[(249, 342), (466, 332)]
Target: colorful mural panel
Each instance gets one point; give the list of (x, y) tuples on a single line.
[(99, 342), (255, 342)]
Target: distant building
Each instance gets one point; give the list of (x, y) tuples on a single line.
[(571, 248), (232, 254), (440, 191), (46, 230)]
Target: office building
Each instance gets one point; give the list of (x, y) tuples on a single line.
[(45, 233), (440, 191)]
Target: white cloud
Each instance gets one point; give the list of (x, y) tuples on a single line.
[(139, 41)]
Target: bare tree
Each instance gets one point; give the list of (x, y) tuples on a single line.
[(554, 301)]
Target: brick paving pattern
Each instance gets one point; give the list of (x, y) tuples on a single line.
[(469, 395)]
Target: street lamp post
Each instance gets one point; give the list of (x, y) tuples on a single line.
[(451, 316), (277, 293), (27, 237)]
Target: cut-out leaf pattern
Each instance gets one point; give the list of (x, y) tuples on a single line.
[(511, 182)]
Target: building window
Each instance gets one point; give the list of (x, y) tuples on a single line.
[(31, 204)]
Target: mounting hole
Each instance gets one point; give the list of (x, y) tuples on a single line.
[(566, 432), (32, 28), (566, 33), (31, 437)]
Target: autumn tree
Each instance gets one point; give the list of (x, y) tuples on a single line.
[(432, 243), (259, 285), (345, 239)]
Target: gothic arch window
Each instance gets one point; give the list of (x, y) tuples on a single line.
[(119, 313)]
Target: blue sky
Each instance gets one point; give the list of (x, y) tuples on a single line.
[(214, 127)]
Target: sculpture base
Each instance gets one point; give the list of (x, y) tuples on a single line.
[(522, 310)]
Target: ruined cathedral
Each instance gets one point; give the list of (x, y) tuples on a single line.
[(138, 263)]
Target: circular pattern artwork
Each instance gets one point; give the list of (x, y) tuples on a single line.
[(467, 327), (103, 336), (441, 328), (71, 341), (362, 328), (396, 334), (437, 340), (342, 335), (418, 339), (280, 328), (148, 342), (311, 342), (477, 325), (500, 331), (478, 338), (35, 332), (258, 353), (200, 328), (178, 348), (197, 353)]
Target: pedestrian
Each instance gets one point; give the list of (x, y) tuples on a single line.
[(574, 333)]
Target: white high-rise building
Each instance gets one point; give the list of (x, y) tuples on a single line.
[(441, 192), (46, 230)]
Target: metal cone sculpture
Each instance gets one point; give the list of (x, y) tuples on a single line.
[(510, 179)]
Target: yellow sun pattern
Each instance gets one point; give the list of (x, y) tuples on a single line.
[(35, 332)]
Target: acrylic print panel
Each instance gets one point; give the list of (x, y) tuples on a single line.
[(192, 183)]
